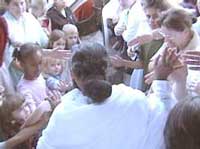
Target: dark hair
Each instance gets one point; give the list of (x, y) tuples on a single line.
[(157, 4), (182, 130), (26, 50), (176, 19), (89, 64), (55, 35)]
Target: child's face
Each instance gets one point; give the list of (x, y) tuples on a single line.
[(55, 68), (60, 44), (72, 39), (32, 66)]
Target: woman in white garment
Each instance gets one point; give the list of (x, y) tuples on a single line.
[(22, 28), (97, 115)]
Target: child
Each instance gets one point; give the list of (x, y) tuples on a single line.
[(71, 35), (56, 40), (54, 70), (13, 113), (54, 67), (32, 84)]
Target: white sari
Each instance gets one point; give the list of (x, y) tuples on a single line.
[(122, 121)]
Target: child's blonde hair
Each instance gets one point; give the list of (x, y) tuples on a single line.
[(70, 29), (48, 61)]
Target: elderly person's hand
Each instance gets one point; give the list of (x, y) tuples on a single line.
[(163, 66), (192, 58)]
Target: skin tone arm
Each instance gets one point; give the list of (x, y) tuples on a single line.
[(117, 61)]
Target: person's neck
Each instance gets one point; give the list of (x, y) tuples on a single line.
[(26, 77), (17, 17)]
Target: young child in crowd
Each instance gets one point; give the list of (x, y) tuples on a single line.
[(71, 36), (13, 113), (32, 84), (54, 68), (57, 39)]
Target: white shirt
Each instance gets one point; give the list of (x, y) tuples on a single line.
[(34, 91), (133, 19), (124, 121), (26, 29)]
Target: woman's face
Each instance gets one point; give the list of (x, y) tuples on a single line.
[(152, 17), (176, 38), (17, 7)]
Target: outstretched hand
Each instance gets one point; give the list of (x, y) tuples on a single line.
[(163, 66), (192, 58)]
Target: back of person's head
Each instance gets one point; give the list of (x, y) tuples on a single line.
[(26, 51), (55, 36), (162, 5), (182, 129), (177, 19), (89, 64)]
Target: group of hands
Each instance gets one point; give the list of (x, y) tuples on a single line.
[(164, 65)]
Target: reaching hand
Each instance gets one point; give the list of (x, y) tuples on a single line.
[(192, 58), (117, 61)]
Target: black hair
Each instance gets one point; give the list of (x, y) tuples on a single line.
[(89, 64), (26, 50)]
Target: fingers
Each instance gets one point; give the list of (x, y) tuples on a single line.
[(149, 77), (193, 52)]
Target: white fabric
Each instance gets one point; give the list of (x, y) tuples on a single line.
[(126, 120), (5, 80), (26, 29), (34, 91), (136, 17)]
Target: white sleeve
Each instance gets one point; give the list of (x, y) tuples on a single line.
[(161, 102)]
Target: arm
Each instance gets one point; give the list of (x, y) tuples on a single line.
[(117, 61)]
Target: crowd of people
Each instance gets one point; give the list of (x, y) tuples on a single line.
[(140, 89)]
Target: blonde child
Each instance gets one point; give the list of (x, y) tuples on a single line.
[(54, 67), (71, 36)]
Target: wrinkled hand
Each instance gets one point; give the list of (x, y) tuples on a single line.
[(192, 58), (117, 61), (163, 66)]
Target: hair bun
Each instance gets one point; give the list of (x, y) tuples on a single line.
[(97, 90)]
